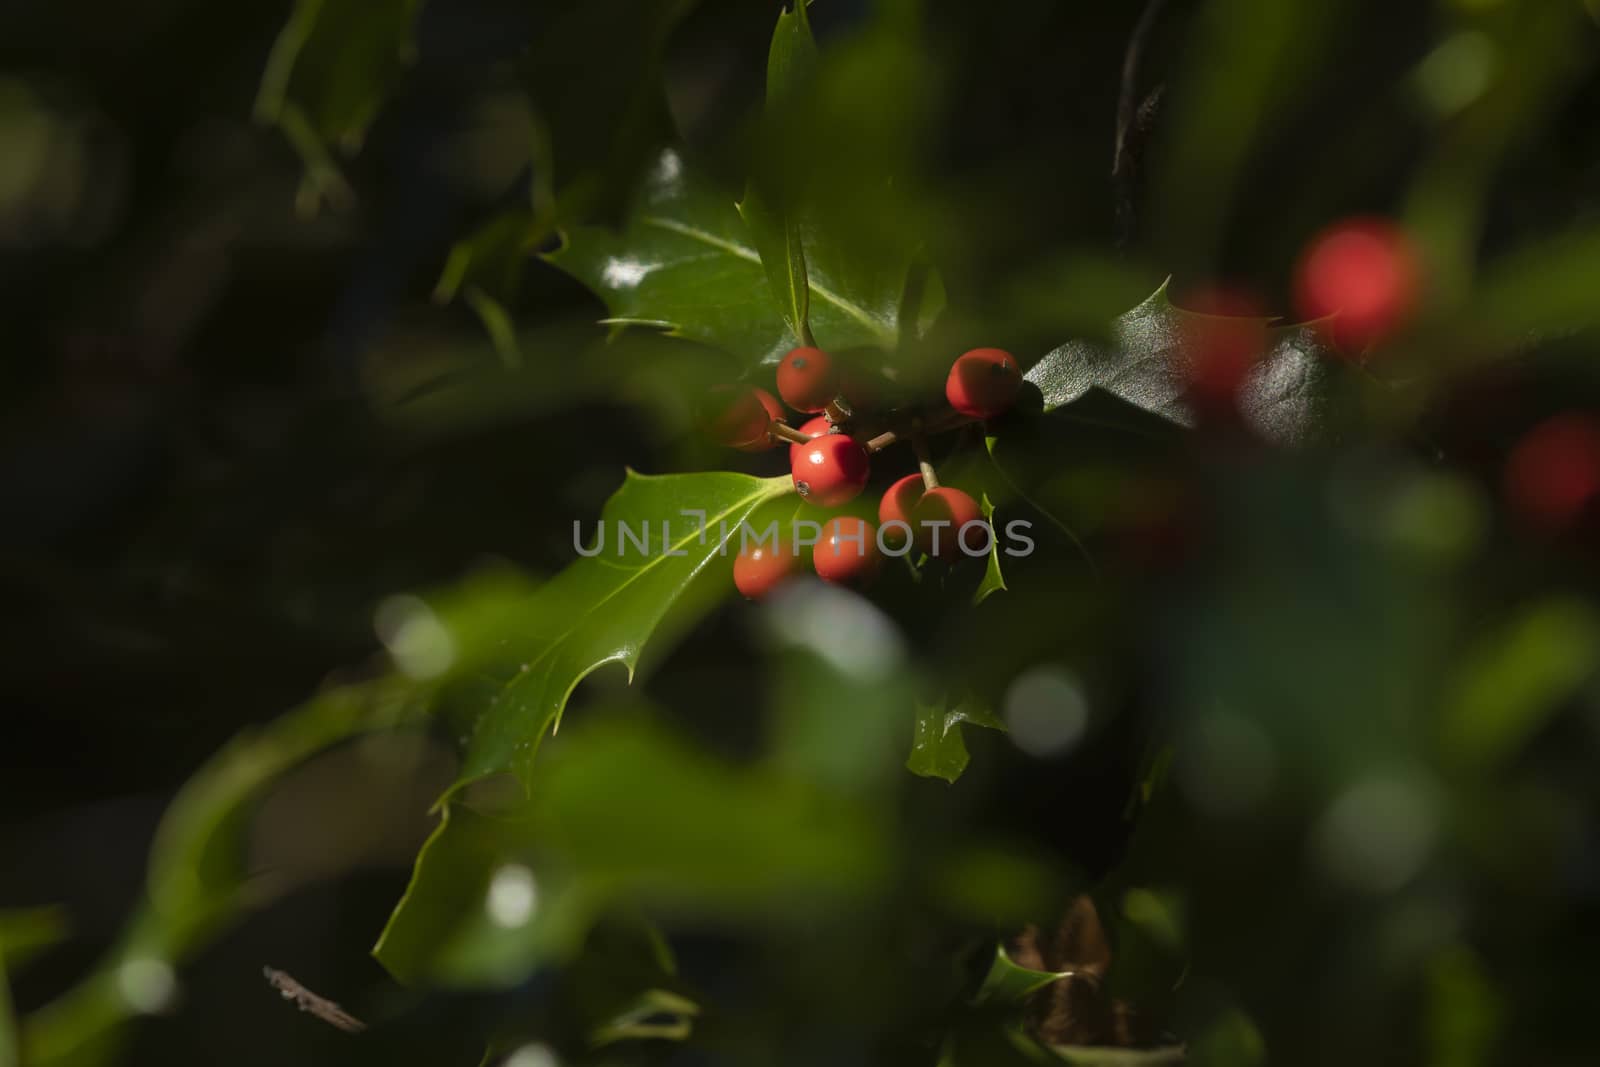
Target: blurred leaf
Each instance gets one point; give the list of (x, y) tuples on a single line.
[(195, 883), (1517, 678), (1009, 983), (1231, 1041), (1147, 364), (1097, 1056), (937, 748), (1464, 1013), (624, 814), (685, 263), (332, 67), (993, 580), (604, 608), (25, 932), (10, 1055)]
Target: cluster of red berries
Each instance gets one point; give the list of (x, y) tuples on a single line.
[(831, 465)]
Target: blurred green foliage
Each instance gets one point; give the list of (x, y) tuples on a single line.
[(1295, 692)]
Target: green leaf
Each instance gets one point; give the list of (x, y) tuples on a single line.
[(768, 208), (776, 235), (1146, 364), (10, 1054), (993, 580), (603, 609), (625, 816), (25, 932), (685, 262), (332, 67), (1009, 983), (1101, 1056), (937, 748), (1516, 678)]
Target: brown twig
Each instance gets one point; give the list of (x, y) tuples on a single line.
[(919, 443), (788, 433), (1124, 153), (309, 1002)]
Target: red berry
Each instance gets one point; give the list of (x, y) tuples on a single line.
[(897, 505), (735, 416), (983, 383), (1554, 471), (775, 413), (829, 470), (807, 380), (811, 427), (1223, 337), (952, 508), (848, 551), (1365, 274), (759, 568)]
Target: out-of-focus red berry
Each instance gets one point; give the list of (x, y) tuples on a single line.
[(1363, 276), (758, 569), (1554, 471), (807, 379), (735, 416), (848, 552), (983, 383), (897, 505), (937, 520), (775, 413), (1224, 335), (829, 470)]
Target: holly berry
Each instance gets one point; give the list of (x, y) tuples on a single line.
[(807, 380), (760, 568), (848, 551), (736, 416), (812, 428), (1224, 337), (897, 504), (775, 413), (1365, 274), (1554, 471), (829, 470), (948, 506), (983, 383)]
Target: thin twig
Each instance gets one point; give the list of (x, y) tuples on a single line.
[(1128, 110), (787, 432), (307, 1001)]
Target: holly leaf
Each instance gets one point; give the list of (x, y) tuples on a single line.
[(686, 263), (993, 580), (767, 207), (1008, 982), (654, 568), (1147, 364), (937, 748)]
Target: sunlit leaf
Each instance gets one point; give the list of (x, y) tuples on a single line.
[(685, 263), (604, 608), (1147, 365)]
